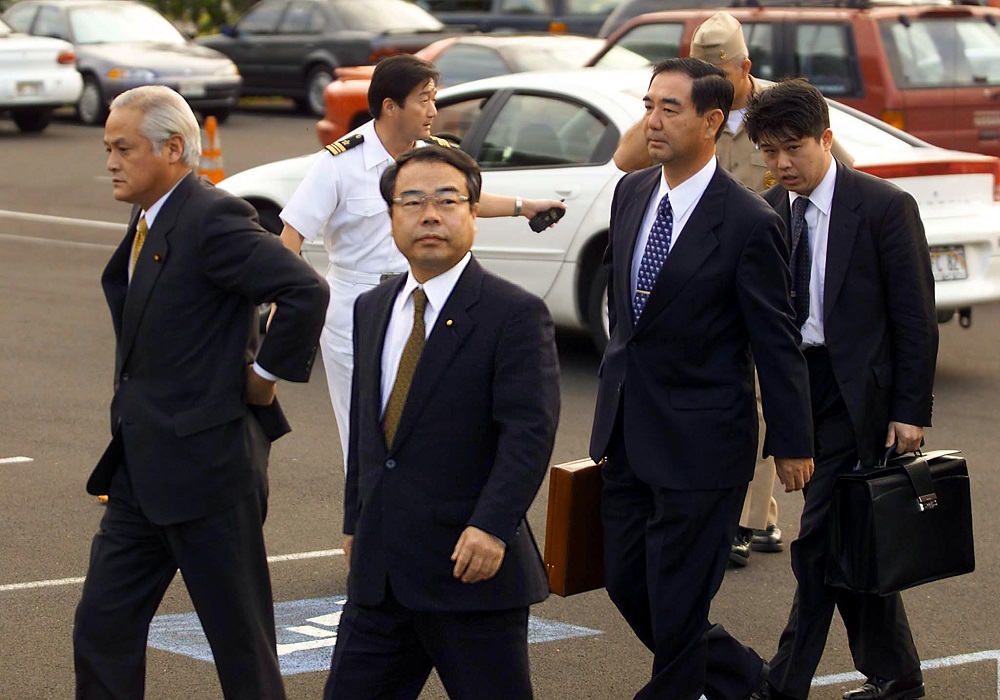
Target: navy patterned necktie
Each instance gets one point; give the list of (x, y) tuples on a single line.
[(801, 261), (657, 247)]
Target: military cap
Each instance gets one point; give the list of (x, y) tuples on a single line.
[(718, 39)]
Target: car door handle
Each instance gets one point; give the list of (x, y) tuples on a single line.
[(568, 191)]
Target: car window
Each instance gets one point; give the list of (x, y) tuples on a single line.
[(942, 52), (538, 131), (460, 63), (524, 7), (590, 7), (385, 15), (760, 44), (454, 119), (51, 22), (262, 19), (654, 42), (823, 56), (299, 19), (117, 22), (19, 17)]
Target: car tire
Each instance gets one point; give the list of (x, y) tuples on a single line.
[(314, 103), (267, 213), (597, 310), (91, 108), (32, 121)]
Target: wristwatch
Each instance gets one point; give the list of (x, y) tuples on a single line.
[(517, 205)]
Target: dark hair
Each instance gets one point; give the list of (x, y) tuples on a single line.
[(792, 108), (434, 154), (395, 77), (710, 89)]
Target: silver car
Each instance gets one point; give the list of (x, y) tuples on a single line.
[(122, 44)]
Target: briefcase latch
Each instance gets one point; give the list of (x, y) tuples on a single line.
[(927, 501)]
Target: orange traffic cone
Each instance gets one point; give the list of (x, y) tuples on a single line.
[(211, 152)]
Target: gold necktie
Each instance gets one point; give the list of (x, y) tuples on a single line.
[(140, 238), (407, 365)]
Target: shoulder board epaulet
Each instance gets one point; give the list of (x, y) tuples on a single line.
[(438, 141), (345, 144)]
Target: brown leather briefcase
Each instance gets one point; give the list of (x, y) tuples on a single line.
[(574, 536)]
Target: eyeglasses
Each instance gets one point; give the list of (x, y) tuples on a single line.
[(413, 203)]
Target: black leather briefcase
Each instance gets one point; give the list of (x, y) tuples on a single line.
[(901, 525)]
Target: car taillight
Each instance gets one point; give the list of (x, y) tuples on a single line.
[(558, 27), (66, 58), (987, 164), (894, 117)]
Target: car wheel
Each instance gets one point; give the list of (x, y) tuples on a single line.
[(91, 107), (268, 215), (32, 120), (597, 310), (319, 78)]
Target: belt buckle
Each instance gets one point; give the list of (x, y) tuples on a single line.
[(386, 276)]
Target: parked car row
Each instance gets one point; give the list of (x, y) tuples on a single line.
[(552, 135)]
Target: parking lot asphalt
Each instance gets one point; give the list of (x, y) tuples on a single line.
[(58, 225)]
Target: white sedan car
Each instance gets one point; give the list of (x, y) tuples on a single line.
[(552, 135), (37, 74)]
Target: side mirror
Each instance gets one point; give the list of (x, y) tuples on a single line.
[(228, 30)]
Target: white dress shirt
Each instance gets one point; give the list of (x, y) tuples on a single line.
[(683, 199), (818, 223), (437, 289)]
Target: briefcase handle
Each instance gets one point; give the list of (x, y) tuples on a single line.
[(918, 471)]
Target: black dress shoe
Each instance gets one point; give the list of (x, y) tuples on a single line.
[(768, 540), (739, 553), (906, 688)]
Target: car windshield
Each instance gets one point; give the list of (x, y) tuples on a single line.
[(860, 133), (386, 15), (118, 23), (943, 51)]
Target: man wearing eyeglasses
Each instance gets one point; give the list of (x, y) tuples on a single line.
[(454, 406)]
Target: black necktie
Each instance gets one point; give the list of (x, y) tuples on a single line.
[(801, 262)]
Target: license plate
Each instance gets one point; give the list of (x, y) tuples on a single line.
[(948, 263), (192, 89), (31, 88)]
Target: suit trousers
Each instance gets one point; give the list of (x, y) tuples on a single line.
[(132, 562), (877, 629), (386, 652), (665, 555)]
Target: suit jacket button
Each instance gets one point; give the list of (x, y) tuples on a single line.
[(390, 464), (124, 376)]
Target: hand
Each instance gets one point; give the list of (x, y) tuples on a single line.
[(531, 207), (477, 556), (904, 436), (260, 391), (348, 543), (794, 472)]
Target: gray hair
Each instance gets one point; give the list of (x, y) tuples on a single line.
[(165, 114)]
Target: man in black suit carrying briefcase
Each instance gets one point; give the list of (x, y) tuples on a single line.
[(863, 294)]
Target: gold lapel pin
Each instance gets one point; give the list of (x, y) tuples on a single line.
[(449, 322), (157, 257)]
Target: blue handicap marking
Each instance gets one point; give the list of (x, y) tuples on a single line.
[(307, 633)]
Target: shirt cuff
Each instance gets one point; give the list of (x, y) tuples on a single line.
[(263, 373)]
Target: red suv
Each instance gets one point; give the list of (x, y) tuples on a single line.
[(931, 70)]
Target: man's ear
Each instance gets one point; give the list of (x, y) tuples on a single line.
[(714, 119), (174, 148), (826, 140), (389, 106)]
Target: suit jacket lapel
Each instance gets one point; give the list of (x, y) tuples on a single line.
[(151, 258), (114, 280), (453, 326), (633, 210), (696, 242), (842, 234)]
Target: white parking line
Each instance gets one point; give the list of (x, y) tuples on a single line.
[(16, 460), (944, 662), (52, 583), (56, 242), (48, 219)]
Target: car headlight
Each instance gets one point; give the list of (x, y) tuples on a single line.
[(137, 74), (228, 69)]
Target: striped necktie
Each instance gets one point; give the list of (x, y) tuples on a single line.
[(407, 365), (657, 248)]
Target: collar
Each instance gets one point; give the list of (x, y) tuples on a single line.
[(372, 149), (687, 194), (822, 196), (438, 288), (151, 213)]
